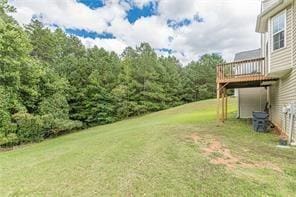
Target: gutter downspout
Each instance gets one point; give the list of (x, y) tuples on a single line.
[(292, 112)]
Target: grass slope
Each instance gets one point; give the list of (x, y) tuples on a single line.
[(177, 152)]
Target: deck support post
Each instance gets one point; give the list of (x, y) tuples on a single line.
[(222, 102), (226, 104), (218, 102), (223, 105)]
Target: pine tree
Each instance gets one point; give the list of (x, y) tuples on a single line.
[(50, 83)]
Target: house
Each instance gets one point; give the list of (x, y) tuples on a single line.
[(274, 71)]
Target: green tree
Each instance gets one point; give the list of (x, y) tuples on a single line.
[(171, 80), (126, 90), (50, 83), (199, 78)]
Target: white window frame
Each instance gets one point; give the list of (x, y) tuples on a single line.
[(268, 43), (284, 12)]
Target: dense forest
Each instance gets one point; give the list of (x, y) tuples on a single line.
[(50, 83)]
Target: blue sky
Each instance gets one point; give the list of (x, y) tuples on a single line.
[(93, 4), (186, 29), (89, 34), (136, 13), (132, 15)]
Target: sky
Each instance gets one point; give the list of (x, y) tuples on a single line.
[(186, 29)]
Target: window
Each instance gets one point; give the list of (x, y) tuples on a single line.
[(279, 31)]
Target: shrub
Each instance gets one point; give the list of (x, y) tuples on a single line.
[(56, 105), (36, 128), (7, 129), (60, 125), (9, 139), (29, 127)]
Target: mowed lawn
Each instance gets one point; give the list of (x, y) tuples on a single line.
[(178, 152)]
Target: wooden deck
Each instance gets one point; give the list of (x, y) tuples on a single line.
[(243, 71), (240, 74)]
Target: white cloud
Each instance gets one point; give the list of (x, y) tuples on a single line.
[(23, 15), (150, 29), (141, 3), (69, 13), (228, 28), (115, 45), (176, 9)]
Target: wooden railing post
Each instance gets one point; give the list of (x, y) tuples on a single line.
[(255, 69)]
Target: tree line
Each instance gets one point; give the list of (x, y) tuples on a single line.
[(50, 83)]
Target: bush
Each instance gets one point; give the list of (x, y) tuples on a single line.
[(7, 129), (60, 125), (36, 128), (5, 121), (56, 105), (9, 139), (29, 127)]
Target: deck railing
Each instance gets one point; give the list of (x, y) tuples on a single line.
[(249, 69)]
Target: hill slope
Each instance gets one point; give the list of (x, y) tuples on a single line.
[(181, 152)]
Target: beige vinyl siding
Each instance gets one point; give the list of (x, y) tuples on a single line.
[(267, 3), (251, 99), (284, 91), (274, 104), (294, 33), (293, 75), (281, 59), (281, 94)]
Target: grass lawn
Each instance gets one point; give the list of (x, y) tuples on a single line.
[(178, 152)]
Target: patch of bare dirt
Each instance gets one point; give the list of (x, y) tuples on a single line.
[(221, 155), (194, 137)]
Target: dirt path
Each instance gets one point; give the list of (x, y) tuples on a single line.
[(219, 154)]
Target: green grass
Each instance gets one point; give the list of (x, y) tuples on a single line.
[(152, 155)]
